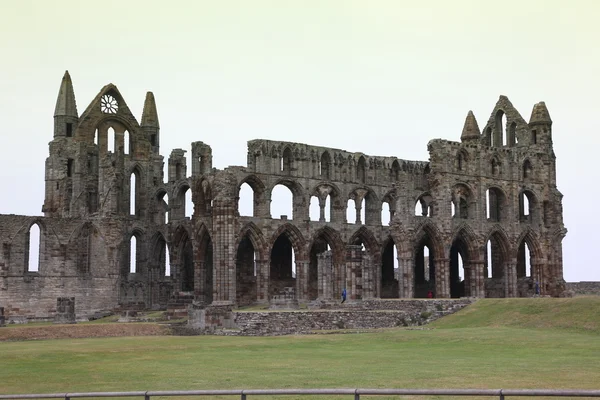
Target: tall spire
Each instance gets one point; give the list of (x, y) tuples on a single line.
[(471, 129), (149, 115), (65, 103), (540, 114)]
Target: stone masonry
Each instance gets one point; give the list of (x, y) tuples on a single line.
[(481, 218)]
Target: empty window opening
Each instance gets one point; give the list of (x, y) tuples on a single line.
[(395, 170), (526, 203), (97, 137), (525, 206), (424, 270), (389, 271), (133, 255), (246, 200), (69, 130), (499, 137), (488, 264), (33, 250), (282, 202), (133, 195), (70, 167), (328, 208), (282, 269), (110, 137), (386, 215), (534, 137), (286, 161), (504, 131), (314, 210), (167, 261), (523, 260), (452, 209), (494, 199), (189, 205), (153, 140), (126, 143)]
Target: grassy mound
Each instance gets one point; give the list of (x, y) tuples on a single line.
[(578, 314)]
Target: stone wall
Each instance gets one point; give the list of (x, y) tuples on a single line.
[(361, 315), (584, 288)]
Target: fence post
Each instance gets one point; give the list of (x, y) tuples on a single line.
[(243, 397), (146, 397), (501, 395), (356, 395)]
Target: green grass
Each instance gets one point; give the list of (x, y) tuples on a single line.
[(476, 348)]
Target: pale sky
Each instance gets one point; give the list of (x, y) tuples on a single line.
[(381, 77)]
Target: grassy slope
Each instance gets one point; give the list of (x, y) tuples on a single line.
[(491, 344), (579, 314)]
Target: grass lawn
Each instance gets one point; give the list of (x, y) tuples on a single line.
[(466, 350)]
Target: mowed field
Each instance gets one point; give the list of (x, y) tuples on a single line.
[(503, 343)]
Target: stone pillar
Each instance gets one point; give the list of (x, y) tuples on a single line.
[(538, 275), (325, 271), (477, 281), (262, 281), (199, 281), (224, 277), (65, 310), (510, 279), (406, 267), (353, 279), (322, 204), (368, 278), (302, 280), (442, 278)]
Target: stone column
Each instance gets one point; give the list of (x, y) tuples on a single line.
[(322, 208), (406, 267), (477, 280), (224, 277), (353, 284), (199, 280), (325, 270), (510, 279), (262, 281), (538, 275), (368, 278), (442, 278), (302, 280)]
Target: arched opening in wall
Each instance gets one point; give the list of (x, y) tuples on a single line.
[(361, 170), (110, 140), (512, 134), (133, 255), (189, 205), (186, 263), (386, 215), (167, 264), (162, 208), (495, 201), (286, 161), (527, 203), (452, 209), (395, 172), (461, 160), (523, 260), (458, 285), (206, 269), (355, 215), (97, 137), (459, 203), (319, 246), (424, 206), (495, 263), (126, 143), (527, 169), (325, 166), (246, 271), (133, 185), (34, 250), (282, 202), (499, 139), (424, 272), (246, 200), (282, 268), (389, 271), (314, 211)]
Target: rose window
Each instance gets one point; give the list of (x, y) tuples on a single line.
[(108, 104)]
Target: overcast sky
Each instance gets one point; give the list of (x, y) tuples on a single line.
[(381, 77)]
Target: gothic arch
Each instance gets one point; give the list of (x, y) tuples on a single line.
[(295, 237), (428, 229), (530, 237), (464, 232), (256, 237), (371, 243)]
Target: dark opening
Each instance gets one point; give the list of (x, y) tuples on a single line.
[(533, 137), (245, 273), (153, 140), (69, 129), (69, 167)]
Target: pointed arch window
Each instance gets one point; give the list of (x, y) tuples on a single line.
[(33, 248)]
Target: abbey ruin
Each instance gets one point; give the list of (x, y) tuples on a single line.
[(481, 218)]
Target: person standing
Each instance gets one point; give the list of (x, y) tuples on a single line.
[(344, 295)]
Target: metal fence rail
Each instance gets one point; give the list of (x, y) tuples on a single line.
[(244, 393)]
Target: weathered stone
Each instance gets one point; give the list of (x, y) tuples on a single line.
[(65, 310), (496, 187)]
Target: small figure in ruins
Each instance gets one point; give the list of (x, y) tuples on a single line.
[(344, 295), (430, 294)]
